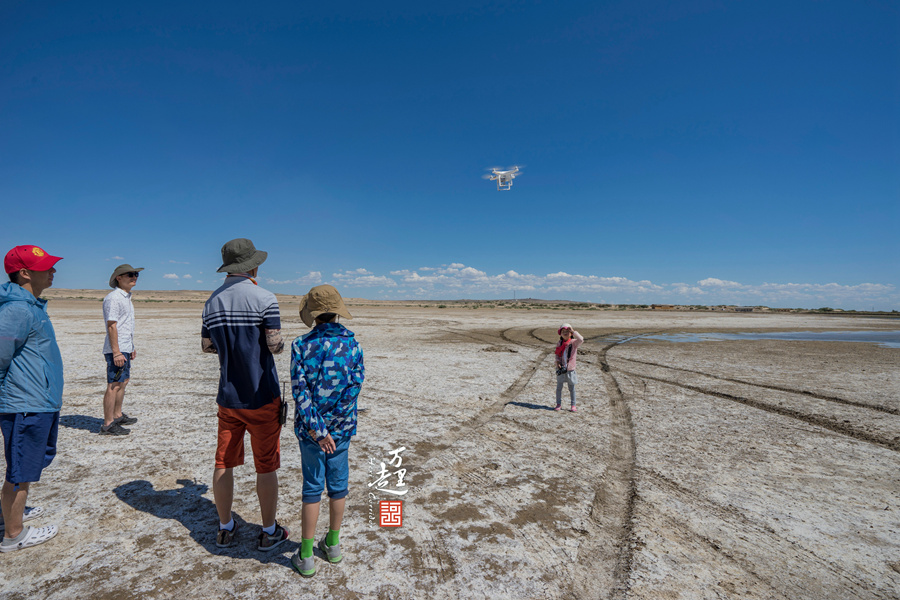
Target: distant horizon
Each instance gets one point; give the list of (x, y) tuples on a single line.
[(102, 292)]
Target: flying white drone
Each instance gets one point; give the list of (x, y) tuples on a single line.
[(505, 178)]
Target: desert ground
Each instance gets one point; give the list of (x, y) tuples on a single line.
[(762, 469)]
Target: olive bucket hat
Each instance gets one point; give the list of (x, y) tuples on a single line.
[(240, 256), (320, 300), (121, 269)]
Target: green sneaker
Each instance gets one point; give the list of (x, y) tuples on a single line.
[(305, 566), (332, 553)]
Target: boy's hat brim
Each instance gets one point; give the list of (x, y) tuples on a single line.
[(126, 268), (320, 300)]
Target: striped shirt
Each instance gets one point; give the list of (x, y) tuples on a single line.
[(235, 319)]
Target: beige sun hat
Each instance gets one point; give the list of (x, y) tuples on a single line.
[(320, 300), (126, 268), (240, 255)]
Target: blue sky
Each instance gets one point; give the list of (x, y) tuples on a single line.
[(697, 152)]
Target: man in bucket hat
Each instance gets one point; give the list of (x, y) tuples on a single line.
[(242, 324), (31, 386), (326, 375), (118, 348)]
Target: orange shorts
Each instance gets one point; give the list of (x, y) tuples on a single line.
[(265, 437)]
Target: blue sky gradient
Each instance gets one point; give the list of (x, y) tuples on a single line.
[(708, 152)]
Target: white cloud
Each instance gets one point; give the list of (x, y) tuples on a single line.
[(713, 282), (363, 278), (179, 262), (116, 258), (457, 280), (463, 280), (687, 290), (811, 295), (186, 276), (170, 276), (565, 282), (311, 278)]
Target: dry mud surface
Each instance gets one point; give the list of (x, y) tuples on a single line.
[(738, 469)]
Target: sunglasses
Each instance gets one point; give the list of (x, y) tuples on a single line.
[(134, 274)]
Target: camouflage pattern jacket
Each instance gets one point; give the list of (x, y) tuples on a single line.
[(326, 375)]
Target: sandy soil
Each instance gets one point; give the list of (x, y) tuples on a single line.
[(740, 469)]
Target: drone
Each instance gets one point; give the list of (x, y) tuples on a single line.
[(505, 178)]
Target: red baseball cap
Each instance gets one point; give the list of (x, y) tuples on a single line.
[(32, 258)]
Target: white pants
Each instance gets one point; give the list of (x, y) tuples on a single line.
[(567, 377)]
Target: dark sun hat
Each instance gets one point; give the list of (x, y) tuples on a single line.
[(240, 256), (126, 268), (320, 300)]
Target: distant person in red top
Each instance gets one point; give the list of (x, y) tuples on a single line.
[(566, 350)]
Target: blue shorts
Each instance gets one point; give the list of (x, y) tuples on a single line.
[(29, 443), (320, 469), (115, 374)]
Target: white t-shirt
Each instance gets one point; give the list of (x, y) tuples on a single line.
[(117, 307)]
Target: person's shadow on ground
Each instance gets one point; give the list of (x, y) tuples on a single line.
[(83, 422), (198, 515), (532, 406)]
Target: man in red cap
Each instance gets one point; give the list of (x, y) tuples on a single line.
[(31, 385)]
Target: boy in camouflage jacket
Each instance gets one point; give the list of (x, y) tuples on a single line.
[(326, 375)]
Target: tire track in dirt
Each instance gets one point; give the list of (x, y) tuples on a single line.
[(530, 338), (604, 560), (434, 557), (820, 421), (612, 507), (777, 388), (748, 544), (484, 338), (430, 449)]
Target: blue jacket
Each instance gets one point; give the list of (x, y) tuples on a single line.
[(31, 369), (327, 373)]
